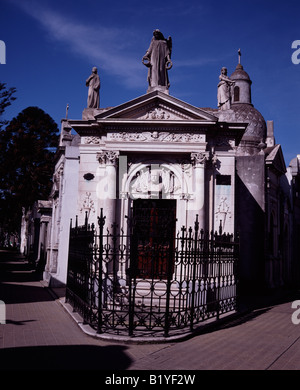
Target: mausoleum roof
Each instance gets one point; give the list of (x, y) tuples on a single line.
[(240, 74), (256, 123), (275, 159), (295, 165), (245, 113)]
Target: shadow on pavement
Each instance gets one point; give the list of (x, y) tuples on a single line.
[(15, 267), (65, 357), (17, 293), (254, 307), (19, 281)]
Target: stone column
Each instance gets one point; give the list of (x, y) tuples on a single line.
[(23, 232), (41, 239), (198, 205), (107, 196), (107, 190), (50, 245)]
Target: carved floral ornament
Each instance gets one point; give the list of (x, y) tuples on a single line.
[(92, 140), (88, 203), (199, 157), (155, 136), (223, 212), (108, 157)]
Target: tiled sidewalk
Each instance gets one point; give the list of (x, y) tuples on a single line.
[(40, 334)]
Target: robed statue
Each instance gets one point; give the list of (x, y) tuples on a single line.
[(93, 82), (224, 90), (158, 61)]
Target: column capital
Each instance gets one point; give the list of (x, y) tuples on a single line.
[(108, 157), (199, 158)]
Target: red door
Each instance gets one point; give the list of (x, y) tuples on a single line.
[(154, 236)]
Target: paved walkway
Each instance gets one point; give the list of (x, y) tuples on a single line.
[(40, 334)]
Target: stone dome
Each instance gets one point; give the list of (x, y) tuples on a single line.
[(256, 129), (240, 74), (242, 110)]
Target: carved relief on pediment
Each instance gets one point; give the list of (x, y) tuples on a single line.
[(163, 113)]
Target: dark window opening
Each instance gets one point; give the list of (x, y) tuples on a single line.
[(223, 180), (236, 94)]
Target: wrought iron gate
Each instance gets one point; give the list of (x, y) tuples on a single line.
[(125, 284)]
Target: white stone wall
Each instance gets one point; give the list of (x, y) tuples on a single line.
[(64, 207), (87, 188), (224, 190)]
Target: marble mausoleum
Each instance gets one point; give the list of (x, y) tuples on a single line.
[(222, 164)]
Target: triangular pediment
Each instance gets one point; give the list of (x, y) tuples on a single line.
[(275, 158), (157, 106)]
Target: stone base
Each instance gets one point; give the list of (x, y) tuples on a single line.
[(226, 115), (90, 113), (160, 88), (50, 281)]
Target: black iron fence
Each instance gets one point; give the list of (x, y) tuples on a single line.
[(147, 280)]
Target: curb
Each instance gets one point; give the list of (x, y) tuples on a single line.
[(209, 325)]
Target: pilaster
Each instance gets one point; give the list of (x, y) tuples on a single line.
[(107, 186), (199, 160)]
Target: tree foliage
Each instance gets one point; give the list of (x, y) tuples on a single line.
[(6, 97), (27, 161)]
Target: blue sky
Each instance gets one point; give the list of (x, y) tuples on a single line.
[(51, 47)]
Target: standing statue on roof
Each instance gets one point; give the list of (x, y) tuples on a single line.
[(93, 82), (158, 60), (224, 90)]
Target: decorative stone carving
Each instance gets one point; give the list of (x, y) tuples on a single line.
[(155, 136), (163, 113), (157, 113), (154, 181), (186, 137), (108, 157), (223, 212), (199, 158), (92, 140), (57, 180), (214, 160), (88, 204), (127, 137), (185, 165)]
